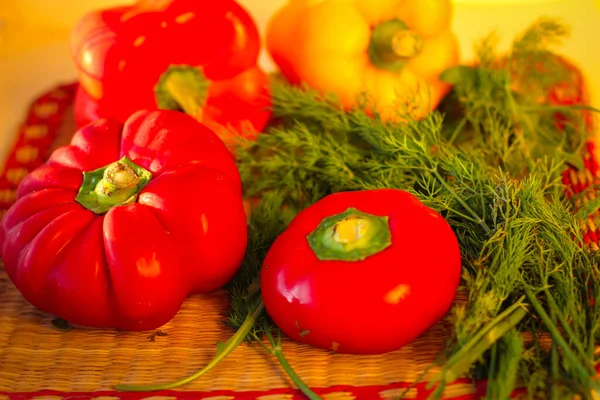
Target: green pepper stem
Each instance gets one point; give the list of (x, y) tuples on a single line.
[(121, 176), (350, 236), (183, 87), (393, 44), (114, 185)]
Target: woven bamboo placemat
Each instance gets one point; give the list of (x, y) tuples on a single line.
[(39, 361), (36, 356)]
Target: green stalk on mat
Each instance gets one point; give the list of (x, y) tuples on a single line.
[(490, 160), (482, 341), (277, 351), (578, 364), (223, 350), (557, 316)]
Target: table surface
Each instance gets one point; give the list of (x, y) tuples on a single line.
[(34, 53)]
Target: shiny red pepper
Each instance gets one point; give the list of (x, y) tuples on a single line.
[(362, 272), (119, 227), (121, 54)]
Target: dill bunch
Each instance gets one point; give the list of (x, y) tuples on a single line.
[(491, 161)]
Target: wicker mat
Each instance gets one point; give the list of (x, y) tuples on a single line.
[(39, 361), (37, 356)]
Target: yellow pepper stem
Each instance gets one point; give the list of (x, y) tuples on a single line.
[(407, 43), (393, 44)]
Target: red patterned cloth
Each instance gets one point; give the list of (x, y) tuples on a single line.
[(393, 391), (34, 141)]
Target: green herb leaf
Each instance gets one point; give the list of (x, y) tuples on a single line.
[(460, 74)]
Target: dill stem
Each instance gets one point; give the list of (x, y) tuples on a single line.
[(420, 377), (439, 391), (468, 218), (457, 130), (547, 107), (491, 387), (481, 341), (592, 335), (560, 341), (524, 118), (478, 220), (555, 310), (554, 365), (223, 351), (277, 351)]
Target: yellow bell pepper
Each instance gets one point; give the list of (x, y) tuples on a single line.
[(392, 51)]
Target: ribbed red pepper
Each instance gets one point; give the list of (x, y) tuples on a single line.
[(118, 228), (121, 54)]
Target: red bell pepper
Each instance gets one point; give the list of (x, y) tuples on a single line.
[(122, 53), (362, 272), (119, 227)]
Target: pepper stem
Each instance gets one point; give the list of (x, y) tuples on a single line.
[(393, 44), (114, 185), (407, 43), (182, 87), (350, 236), (120, 175)]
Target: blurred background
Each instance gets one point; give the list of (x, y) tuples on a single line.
[(34, 35)]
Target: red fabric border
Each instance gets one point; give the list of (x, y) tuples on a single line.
[(36, 134), (360, 393)]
